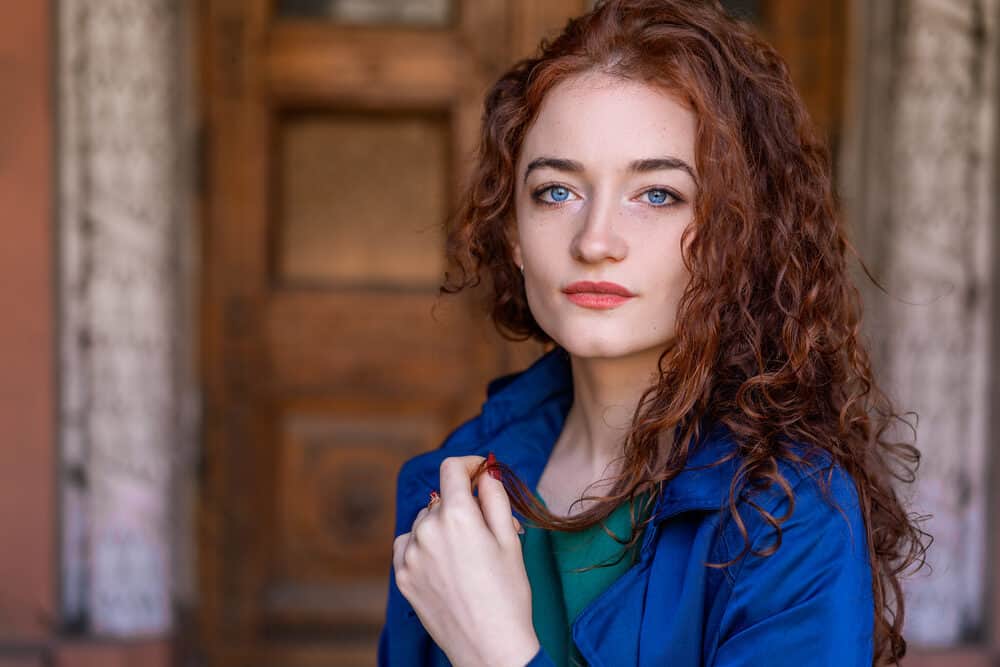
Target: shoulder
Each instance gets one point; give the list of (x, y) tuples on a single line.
[(419, 474), (469, 437), (816, 506), (462, 440), (519, 418), (819, 493), (807, 506), (801, 577), (804, 486)]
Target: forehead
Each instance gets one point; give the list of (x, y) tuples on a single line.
[(595, 117)]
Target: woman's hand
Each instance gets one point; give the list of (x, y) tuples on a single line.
[(462, 570)]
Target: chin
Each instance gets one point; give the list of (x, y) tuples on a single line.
[(593, 345)]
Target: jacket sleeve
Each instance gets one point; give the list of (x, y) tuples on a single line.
[(382, 653), (810, 602), (402, 640)]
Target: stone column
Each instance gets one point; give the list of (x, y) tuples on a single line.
[(123, 328), (918, 180)]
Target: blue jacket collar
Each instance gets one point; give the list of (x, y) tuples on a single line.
[(524, 415)]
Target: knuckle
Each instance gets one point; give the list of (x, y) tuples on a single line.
[(457, 518), (447, 463), (424, 529), (403, 581)]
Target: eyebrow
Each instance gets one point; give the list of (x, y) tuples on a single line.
[(636, 166)]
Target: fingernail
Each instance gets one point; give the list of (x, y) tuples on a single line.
[(491, 461)]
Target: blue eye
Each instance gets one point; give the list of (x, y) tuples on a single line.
[(658, 196), (560, 193)]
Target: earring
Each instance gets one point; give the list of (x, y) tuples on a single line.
[(521, 267)]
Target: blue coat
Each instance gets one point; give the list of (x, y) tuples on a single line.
[(809, 603)]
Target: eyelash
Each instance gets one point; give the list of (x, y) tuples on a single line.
[(537, 196)]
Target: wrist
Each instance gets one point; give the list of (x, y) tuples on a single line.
[(520, 653), (504, 651)]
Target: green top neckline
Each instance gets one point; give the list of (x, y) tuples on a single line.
[(558, 592)]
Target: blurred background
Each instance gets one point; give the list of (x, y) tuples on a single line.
[(222, 239)]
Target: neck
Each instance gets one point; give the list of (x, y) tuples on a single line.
[(606, 393)]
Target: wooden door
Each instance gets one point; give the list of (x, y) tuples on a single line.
[(336, 136)]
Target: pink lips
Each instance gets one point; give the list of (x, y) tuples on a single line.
[(598, 295)]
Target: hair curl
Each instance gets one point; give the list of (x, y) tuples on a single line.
[(768, 330)]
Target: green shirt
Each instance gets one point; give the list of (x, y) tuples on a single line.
[(558, 594)]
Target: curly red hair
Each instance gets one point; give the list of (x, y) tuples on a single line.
[(768, 330)]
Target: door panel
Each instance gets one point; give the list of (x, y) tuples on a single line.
[(362, 197), (335, 493), (341, 344)]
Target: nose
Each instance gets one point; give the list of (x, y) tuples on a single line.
[(597, 239)]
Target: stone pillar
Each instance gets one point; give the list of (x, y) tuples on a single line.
[(918, 182), (123, 331)]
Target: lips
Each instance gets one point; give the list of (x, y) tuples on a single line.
[(597, 295), (603, 287)]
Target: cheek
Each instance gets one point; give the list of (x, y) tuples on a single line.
[(541, 285), (547, 260), (669, 278), (542, 281), (676, 275)]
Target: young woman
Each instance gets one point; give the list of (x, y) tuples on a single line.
[(651, 200)]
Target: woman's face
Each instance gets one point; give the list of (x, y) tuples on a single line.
[(605, 186)]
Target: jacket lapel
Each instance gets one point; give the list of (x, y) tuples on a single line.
[(520, 421)]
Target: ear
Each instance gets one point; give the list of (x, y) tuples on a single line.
[(515, 244), (515, 252)]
